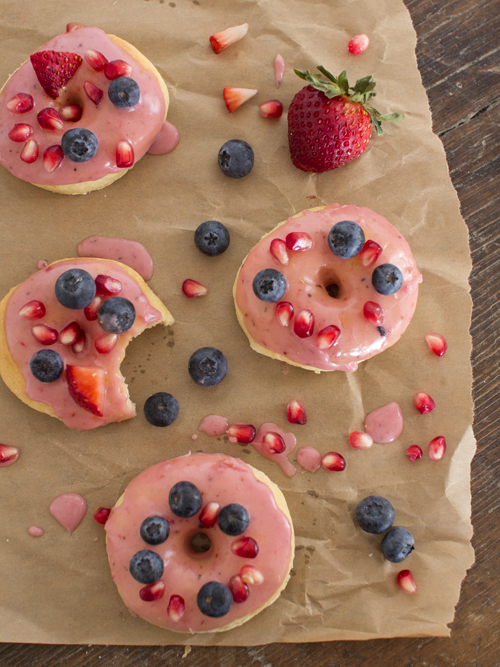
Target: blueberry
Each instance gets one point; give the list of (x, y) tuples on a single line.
[(375, 514), (146, 566), (346, 239), (387, 279), (184, 499), (116, 315), (207, 366), (75, 289), (236, 158), (269, 285), (79, 145), (46, 365), (214, 599), (124, 92), (154, 530), (211, 238), (161, 409), (397, 544), (233, 519)]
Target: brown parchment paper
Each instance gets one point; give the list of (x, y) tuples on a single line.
[(58, 588)]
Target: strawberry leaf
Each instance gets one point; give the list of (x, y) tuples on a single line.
[(343, 82)]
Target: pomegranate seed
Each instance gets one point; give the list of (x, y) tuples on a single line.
[(124, 154), (251, 575), (238, 588), (92, 310), (193, 289), (299, 241), (153, 592), (360, 440), (373, 313), (20, 103), (105, 343), (208, 515), (102, 514), (244, 433), (8, 454), (107, 286), (274, 442), (333, 462), (29, 154), (283, 313), (221, 40), (52, 158), (304, 324), (69, 334), (437, 448), (327, 337), (246, 547), (79, 344), (44, 334), (20, 132), (49, 119), (414, 452), (71, 112), (95, 59), (93, 92), (358, 44), (271, 109), (437, 343), (279, 252), (176, 608), (424, 403), (370, 252), (33, 310), (117, 68), (295, 412), (406, 582)]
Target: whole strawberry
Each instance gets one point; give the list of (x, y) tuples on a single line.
[(330, 123)]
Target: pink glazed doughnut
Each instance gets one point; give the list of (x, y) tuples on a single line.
[(204, 571), (323, 309)]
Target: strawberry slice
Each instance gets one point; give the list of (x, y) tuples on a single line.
[(86, 387), (54, 69), (235, 97)]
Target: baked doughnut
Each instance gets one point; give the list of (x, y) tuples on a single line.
[(63, 358), (80, 112), (327, 288), (194, 579)]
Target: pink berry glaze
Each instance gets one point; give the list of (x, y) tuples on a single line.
[(385, 424), (36, 531), (166, 140), (213, 425), (139, 125), (69, 509), (308, 274), (221, 479), (279, 69), (131, 253), (282, 458), (309, 458)]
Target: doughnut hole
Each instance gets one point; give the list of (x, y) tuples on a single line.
[(198, 544), (331, 283)]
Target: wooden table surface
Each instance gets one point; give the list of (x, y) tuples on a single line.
[(458, 55)]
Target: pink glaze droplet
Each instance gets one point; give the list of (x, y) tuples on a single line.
[(279, 69), (282, 458), (41, 264), (69, 509), (35, 531), (214, 425), (166, 140), (385, 424), (309, 458), (194, 437), (131, 253)]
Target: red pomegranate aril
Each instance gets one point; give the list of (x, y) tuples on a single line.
[(357, 45), (333, 462), (373, 313), (243, 433), (360, 440), (193, 289), (29, 154), (271, 109), (93, 92), (406, 582), (238, 588), (71, 112), (8, 454), (176, 608), (295, 412), (79, 344), (208, 515), (246, 547), (117, 68), (107, 286), (370, 252), (95, 59), (303, 325), (49, 119), (92, 310), (279, 252), (69, 334), (299, 241), (273, 442), (124, 154), (152, 592), (424, 403), (102, 514), (20, 132), (437, 343), (327, 337), (20, 103), (251, 575), (105, 343), (414, 452), (44, 334), (33, 310), (437, 448), (283, 313), (52, 158)]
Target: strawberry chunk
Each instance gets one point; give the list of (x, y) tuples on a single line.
[(54, 69), (235, 97), (86, 387), (221, 40)]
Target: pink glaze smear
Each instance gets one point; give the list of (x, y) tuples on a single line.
[(213, 425), (384, 424), (36, 531), (280, 459), (69, 509), (131, 253), (309, 458), (279, 69), (166, 140)]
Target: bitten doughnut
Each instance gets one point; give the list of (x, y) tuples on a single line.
[(200, 543), (327, 289), (80, 112), (63, 334)]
